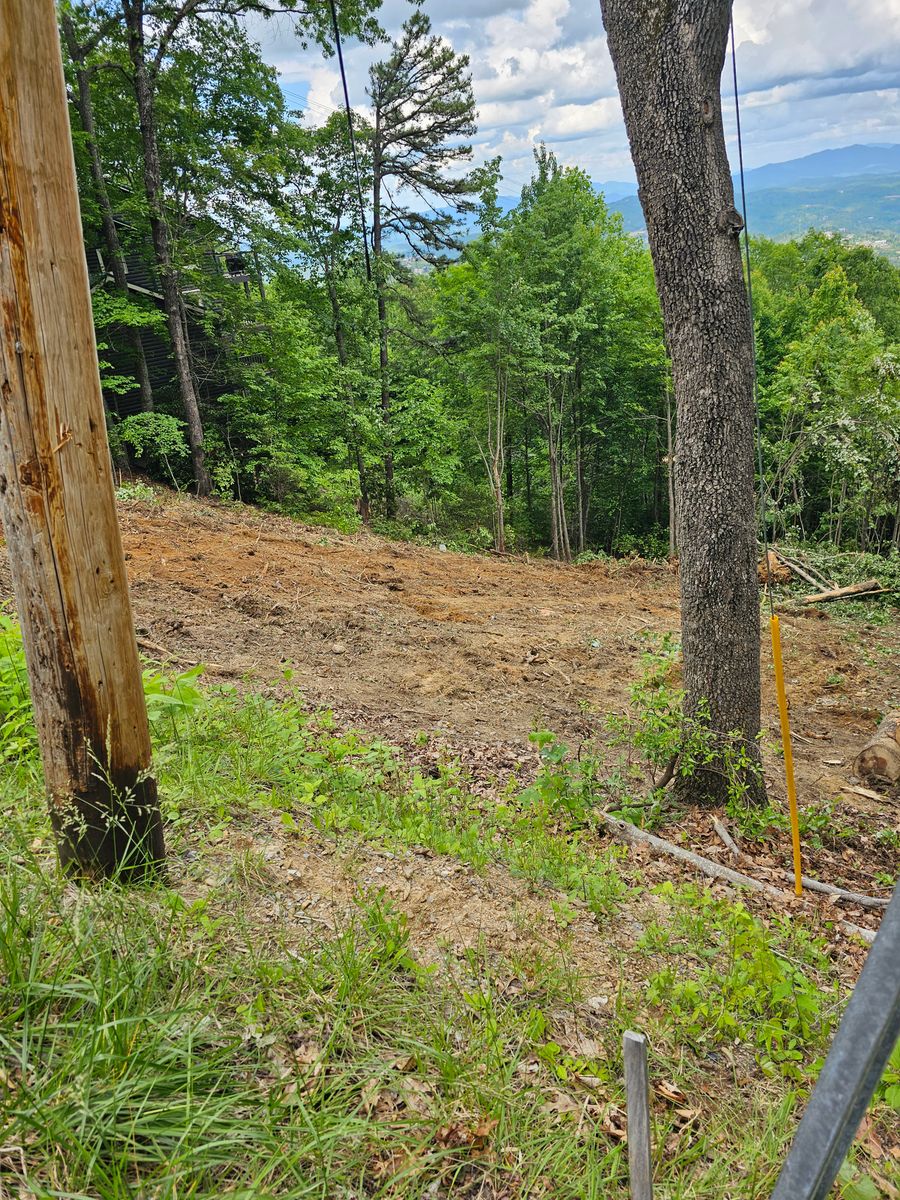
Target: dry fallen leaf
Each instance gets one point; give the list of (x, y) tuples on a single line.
[(416, 1094), (458, 1136), (390, 1165), (405, 1063), (306, 1053), (668, 1091), (561, 1104), (612, 1123), (378, 1101)]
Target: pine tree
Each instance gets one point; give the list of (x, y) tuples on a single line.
[(424, 108)]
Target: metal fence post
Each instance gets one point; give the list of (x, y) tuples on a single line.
[(637, 1091), (857, 1060)]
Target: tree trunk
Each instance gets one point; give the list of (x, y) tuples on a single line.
[(527, 465), (561, 549), (495, 462), (554, 507), (390, 498), (85, 105), (839, 532), (56, 491), (363, 504), (668, 56), (579, 475), (143, 91)]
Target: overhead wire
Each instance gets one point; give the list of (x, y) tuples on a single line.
[(774, 623), (349, 111)]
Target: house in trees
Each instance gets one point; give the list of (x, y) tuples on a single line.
[(214, 266)]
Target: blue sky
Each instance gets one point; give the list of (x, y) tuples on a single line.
[(814, 74)]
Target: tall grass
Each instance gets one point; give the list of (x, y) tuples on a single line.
[(173, 1042)]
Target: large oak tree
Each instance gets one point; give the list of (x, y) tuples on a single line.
[(668, 57)]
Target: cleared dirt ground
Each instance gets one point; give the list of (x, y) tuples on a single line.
[(481, 650)]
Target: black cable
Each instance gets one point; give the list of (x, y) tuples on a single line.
[(759, 457), (349, 111)]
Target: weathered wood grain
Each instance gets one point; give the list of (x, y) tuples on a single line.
[(56, 490)]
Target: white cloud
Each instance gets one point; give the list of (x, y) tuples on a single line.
[(813, 74)]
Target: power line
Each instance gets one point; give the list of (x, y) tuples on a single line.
[(362, 209), (759, 457)]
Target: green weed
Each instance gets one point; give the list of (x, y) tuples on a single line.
[(731, 981), (184, 1045)]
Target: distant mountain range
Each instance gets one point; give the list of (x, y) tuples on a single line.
[(853, 190)]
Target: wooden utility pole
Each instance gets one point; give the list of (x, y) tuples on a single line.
[(56, 491)]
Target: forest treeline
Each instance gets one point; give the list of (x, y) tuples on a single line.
[(359, 359)]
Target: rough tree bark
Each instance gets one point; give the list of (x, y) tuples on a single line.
[(56, 492), (668, 56), (133, 11), (363, 504), (384, 366), (84, 103), (670, 473)]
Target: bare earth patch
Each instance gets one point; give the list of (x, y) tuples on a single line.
[(479, 651)]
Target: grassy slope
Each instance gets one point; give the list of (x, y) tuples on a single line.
[(177, 1042)]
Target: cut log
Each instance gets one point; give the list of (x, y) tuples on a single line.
[(880, 757), (867, 587)]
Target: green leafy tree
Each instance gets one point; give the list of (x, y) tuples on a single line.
[(831, 415)]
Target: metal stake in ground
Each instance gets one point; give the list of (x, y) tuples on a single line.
[(637, 1090), (855, 1064)]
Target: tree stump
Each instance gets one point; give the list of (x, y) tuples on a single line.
[(880, 757)]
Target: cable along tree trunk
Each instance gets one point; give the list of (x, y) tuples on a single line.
[(668, 57), (56, 494)]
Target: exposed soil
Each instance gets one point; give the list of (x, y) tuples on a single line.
[(480, 650)]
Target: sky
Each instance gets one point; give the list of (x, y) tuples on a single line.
[(814, 74)]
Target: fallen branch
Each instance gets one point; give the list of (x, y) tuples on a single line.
[(626, 832), (155, 648), (800, 571), (813, 885), (826, 583), (726, 837), (868, 587)]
